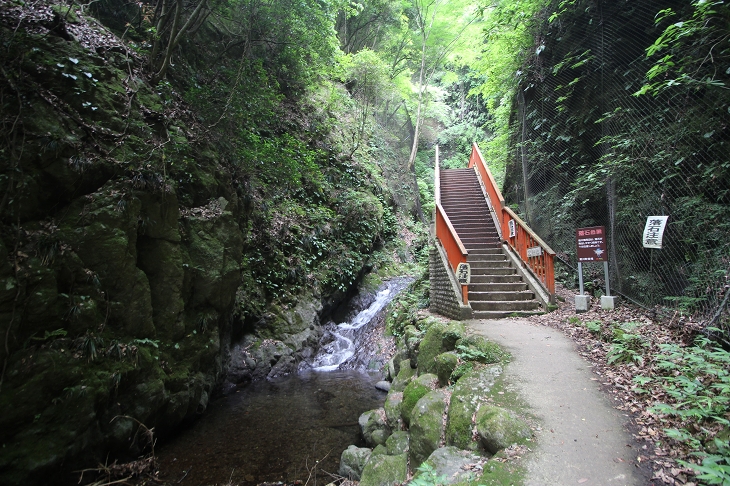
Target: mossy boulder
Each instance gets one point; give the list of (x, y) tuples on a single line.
[(499, 428), (404, 377), (392, 407), (352, 462), (394, 364), (452, 463), (398, 442), (469, 392), (385, 470), (412, 337), (375, 429), (430, 347), (427, 425), (445, 365), (416, 389), (380, 450), (439, 338)]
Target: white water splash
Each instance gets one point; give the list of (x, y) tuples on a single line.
[(342, 348)]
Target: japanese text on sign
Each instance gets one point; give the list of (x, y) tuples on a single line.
[(654, 231), (463, 273), (512, 228), (591, 244)]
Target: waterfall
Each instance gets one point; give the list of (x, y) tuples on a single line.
[(338, 351)]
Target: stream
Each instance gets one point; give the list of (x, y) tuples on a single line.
[(287, 429)]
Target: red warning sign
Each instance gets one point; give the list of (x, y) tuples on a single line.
[(591, 244)]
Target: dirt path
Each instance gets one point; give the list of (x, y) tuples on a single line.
[(583, 440)]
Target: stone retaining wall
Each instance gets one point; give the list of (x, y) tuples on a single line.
[(443, 296)]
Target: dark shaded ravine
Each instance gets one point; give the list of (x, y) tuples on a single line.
[(285, 429)]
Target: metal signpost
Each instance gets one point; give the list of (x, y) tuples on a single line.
[(591, 247)]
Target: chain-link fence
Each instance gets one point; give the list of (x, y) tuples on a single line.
[(589, 151)]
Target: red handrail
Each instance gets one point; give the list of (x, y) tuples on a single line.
[(542, 263), (455, 251)]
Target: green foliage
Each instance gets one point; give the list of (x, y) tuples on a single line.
[(479, 350), (627, 347), (90, 345), (680, 64), (697, 378), (509, 36), (402, 311), (461, 370), (715, 467), (426, 476), (593, 326)]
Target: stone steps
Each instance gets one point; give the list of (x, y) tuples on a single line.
[(496, 290)]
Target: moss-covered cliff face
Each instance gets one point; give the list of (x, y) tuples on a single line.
[(134, 249)]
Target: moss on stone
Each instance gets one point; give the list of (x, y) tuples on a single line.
[(452, 463), (352, 462), (398, 442), (499, 428), (453, 333), (374, 428), (392, 407), (445, 365), (385, 470), (405, 375), (427, 426), (471, 390), (431, 346), (414, 391), (480, 349)]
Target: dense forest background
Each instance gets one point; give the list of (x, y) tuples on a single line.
[(181, 176)]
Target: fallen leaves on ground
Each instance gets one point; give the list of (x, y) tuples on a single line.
[(617, 379)]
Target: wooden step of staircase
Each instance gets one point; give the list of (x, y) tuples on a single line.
[(496, 289)]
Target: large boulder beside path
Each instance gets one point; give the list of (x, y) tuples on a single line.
[(499, 428), (469, 392), (427, 425)]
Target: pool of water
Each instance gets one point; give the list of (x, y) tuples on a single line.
[(274, 431)]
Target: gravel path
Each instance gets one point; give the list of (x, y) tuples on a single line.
[(583, 440)]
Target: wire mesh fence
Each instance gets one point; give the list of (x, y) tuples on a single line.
[(589, 151)]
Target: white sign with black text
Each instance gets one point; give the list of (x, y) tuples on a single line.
[(654, 231)]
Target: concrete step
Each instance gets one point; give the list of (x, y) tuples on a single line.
[(474, 230), (485, 272), (487, 251), (485, 257), (503, 314), (506, 305), (499, 287), (477, 239), (476, 296), (474, 224), (483, 261), (488, 278)]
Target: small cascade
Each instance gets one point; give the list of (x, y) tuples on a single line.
[(341, 348)]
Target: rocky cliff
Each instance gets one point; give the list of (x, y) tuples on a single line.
[(129, 255)]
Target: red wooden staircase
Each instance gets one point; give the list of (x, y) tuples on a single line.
[(511, 267), (496, 290)]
